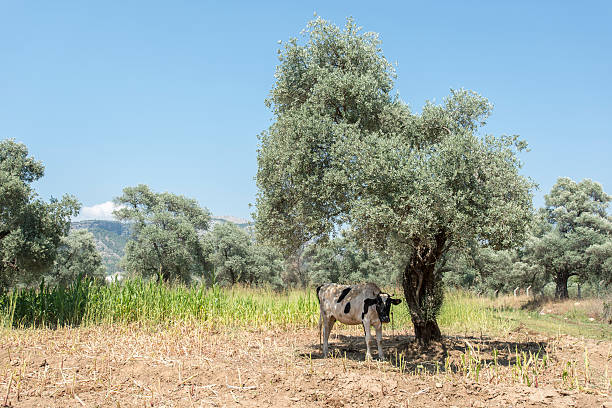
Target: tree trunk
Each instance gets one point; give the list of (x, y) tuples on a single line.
[(163, 271), (424, 292), (561, 290), (420, 288), (426, 332)]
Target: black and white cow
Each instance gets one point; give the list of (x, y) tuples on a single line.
[(354, 304)]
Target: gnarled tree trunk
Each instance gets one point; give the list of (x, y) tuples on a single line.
[(561, 289), (423, 290)]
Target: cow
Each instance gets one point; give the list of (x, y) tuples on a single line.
[(353, 304)]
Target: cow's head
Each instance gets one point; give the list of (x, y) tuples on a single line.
[(383, 306)]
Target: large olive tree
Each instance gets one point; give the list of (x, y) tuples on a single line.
[(343, 150)]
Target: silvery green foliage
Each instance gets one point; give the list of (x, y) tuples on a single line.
[(483, 270), (488, 271), (230, 254), (235, 258), (268, 266), (344, 150), (578, 240), (165, 233), (30, 229), (600, 260), (343, 261), (77, 257)]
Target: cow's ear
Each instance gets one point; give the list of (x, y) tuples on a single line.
[(396, 301)]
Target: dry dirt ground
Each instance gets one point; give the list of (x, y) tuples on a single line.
[(192, 366)]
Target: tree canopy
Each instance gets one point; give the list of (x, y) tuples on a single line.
[(345, 150), (230, 254), (236, 258), (77, 257), (30, 228), (165, 233), (343, 261)]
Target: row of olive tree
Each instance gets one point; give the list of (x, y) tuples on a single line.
[(34, 234), (570, 237), (172, 239)]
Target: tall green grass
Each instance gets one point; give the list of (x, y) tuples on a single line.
[(149, 302), (463, 312), (45, 305), (137, 300)]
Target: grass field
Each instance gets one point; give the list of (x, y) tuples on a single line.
[(147, 344), (148, 302)]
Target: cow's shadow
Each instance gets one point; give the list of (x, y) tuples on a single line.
[(403, 352)]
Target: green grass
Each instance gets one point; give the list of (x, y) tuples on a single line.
[(463, 312), (137, 300), (148, 302)]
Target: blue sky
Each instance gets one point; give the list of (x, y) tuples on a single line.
[(171, 94)]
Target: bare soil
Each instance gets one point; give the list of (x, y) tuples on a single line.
[(193, 366)]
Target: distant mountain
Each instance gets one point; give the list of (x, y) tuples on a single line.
[(111, 237), (241, 222)]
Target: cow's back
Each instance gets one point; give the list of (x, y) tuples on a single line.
[(346, 302)]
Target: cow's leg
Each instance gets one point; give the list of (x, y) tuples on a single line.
[(328, 323), (368, 338), (378, 328), (320, 326), (325, 325)]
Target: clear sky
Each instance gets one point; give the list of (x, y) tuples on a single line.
[(171, 94)]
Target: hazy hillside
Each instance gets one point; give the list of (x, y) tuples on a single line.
[(111, 237)]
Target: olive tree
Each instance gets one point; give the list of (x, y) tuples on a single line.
[(231, 253), (235, 258), (77, 257), (578, 241), (30, 228), (344, 150), (165, 233), (268, 266)]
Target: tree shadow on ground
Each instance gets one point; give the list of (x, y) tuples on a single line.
[(403, 352)]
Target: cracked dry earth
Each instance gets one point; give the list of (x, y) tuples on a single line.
[(193, 366)]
